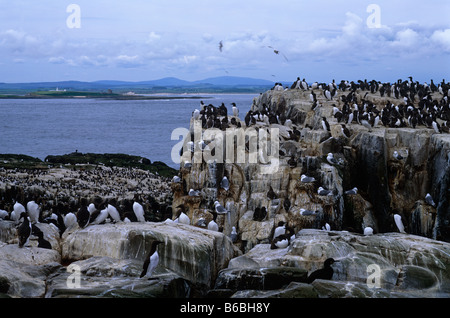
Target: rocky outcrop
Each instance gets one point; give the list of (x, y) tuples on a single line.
[(386, 186), (110, 259), (381, 265), (194, 253)]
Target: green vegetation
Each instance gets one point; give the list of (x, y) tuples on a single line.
[(113, 160), (11, 161)]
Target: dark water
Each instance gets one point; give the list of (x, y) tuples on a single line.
[(54, 127)]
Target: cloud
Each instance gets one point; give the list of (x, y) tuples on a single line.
[(357, 41), (153, 37), (128, 61), (442, 39)]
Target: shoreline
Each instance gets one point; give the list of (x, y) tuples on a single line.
[(74, 159)]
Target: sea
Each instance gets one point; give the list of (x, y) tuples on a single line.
[(42, 127)]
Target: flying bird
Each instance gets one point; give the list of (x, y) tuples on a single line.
[(220, 46), (277, 52)]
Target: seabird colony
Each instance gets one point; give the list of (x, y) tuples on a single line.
[(417, 105), (408, 104)]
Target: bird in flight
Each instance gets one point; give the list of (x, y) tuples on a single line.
[(277, 52), (220, 46)]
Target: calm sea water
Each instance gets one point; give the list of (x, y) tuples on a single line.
[(60, 126)]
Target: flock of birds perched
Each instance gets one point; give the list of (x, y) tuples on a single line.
[(104, 181), (101, 212), (419, 105), (418, 108)]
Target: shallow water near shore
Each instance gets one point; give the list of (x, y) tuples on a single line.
[(40, 128)]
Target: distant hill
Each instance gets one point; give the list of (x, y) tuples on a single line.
[(169, 84)]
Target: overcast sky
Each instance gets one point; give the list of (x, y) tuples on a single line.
[(139, 40)]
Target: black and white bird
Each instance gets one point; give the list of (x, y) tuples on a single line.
[(233, 234), (352, 191), (305, 179), (225, 183), (368, 231), (281, 241), (83, 216), (397, 156), (322, 191), (305, 212), (282, 235), (70, 219), (194, 193), (399, 223), (345, 131), (429, 200), (212, 225), (18, 209), (219, 208), (235, 110), (182, 217), (113, 213), (4, 214), (152, 260), (331, 160), (101, 217), (176, 179), (324, 273), (33, 211), (325, 124), (271, 194), (138, 210), (24, 230)]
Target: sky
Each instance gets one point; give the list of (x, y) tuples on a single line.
[(138, 40)]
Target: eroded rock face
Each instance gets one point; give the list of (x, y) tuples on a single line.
[(194, 253), (391, 262)]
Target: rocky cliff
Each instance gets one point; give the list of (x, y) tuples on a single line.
[(386, 186)]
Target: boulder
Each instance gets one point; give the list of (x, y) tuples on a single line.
[(194, 253), (28, 255), (106, 277), (258, 278), (23, 280), (394, 262)]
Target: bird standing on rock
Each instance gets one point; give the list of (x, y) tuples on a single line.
[(225, 184), (324, 273), (24, 230), (399, 223), (43, 243), (397, 156), (306, 179), (322, 191), (83, 216), (331, 160), (430, 200), (212, 225), (182, 217), (152, 260), (138, 210), (325, 124), (33, 211)]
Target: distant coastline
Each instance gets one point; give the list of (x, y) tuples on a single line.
[(75, 94), (135, 90)]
